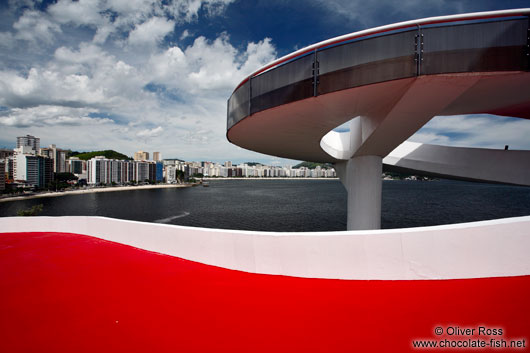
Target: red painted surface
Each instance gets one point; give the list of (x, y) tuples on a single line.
[(74, 293)]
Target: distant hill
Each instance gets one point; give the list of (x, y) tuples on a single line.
[(174, 159), (313, 165), (110, 154)]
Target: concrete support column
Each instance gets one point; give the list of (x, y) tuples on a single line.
[(364, 185)]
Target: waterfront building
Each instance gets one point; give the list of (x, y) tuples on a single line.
[(33, 170), (46, 167), (97, 170), (141, 156), (77, 167), (171, 174), (28, 140), (23, 150), (58, 156), (6, 153), (9, 169), (2, 175), (107, 171), (152, 171), (19, 161), (142, 171), (159, 175)]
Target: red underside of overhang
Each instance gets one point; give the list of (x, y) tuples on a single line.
[(74, 293)]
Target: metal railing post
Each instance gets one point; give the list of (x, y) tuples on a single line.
[(418, 50), (315, 73)]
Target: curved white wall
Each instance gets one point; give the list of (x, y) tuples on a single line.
[(469, 250)]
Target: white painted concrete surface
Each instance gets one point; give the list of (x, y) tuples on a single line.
[(495, 248), (480, 164), (362, 180)]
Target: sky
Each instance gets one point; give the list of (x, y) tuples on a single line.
[(155, 75)]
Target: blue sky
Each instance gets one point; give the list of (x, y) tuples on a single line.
[(155, 75)]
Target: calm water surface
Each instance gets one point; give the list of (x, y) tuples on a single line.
[(291, 205)]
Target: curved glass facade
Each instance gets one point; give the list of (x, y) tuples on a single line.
[(480, 45)]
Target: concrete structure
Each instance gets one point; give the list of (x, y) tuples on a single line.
[(141, 156), (6, 153), (20, 167), (2, 175), (57, 155), (141, 286), (159, 175), (388, 82), (157, 156), (10, 169), (28, 140), (101, 170), (457, 251), (107, 285), (77, 167), (33, 170)]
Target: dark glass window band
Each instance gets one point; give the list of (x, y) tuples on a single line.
[(501, 45)]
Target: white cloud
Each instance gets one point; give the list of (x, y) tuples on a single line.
[(91, 93), (151, 32), (6, 40), (188, 10), (209, 66), (115, 16), (82, 12), (185, 34), (148, 133), (34, 27), (51, 116), (484, 131)]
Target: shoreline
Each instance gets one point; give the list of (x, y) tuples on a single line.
[(94, 190), (266, 178), (142, 187)]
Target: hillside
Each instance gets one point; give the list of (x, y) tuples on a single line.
[(313, 165), (110, 154)]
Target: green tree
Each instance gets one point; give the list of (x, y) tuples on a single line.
[(32, 211), (110, 154)]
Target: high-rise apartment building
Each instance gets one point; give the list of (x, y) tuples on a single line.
[(106, 171), (141, 156), (99, 170), (2, 175), (75, 165), (28, 140), (58, 156), (5, 153), (9, 171), (159, 172), (142, 171), (157, 156), (31, 169)]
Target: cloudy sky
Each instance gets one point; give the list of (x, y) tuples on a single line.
[(155, 75)]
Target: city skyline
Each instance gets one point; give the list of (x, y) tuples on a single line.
[(33, 167), (100, 75)]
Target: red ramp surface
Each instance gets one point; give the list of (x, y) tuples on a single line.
[(64, 292)]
